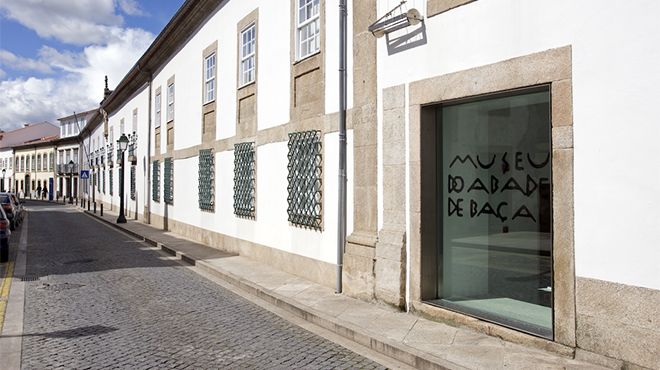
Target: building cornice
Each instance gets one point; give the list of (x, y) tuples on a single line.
[(191, 15)]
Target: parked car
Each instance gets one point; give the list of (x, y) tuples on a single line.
[(19, 205), (11, 210), (5, 232)]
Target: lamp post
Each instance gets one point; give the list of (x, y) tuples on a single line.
[(70, 165), (4, 170), (122, 144)]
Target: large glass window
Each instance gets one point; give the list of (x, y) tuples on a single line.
[(248, 43), (495, 240), (209, 79), (309, 29)]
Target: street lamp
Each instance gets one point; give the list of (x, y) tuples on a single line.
[(70, 166), (4, 170), (122, 145)]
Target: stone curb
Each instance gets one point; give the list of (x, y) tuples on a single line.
[(397, 351)]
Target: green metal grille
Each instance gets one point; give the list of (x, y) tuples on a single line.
[(103, 176), (244, 179), (305, 193), (168, 180), (98, 182), (206, 180), (132, 182), (155, 181), (111, 172)]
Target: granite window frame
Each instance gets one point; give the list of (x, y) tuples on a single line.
[(551, 67), (435, 7)]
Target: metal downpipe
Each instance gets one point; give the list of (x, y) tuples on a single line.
[(341, 222)]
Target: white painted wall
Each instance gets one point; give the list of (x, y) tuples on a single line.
[(273, 68), (274, 63), (7, 156), (270, 227), (615, 77), (140, 100)]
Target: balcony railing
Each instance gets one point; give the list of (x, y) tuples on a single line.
[(63, 169)]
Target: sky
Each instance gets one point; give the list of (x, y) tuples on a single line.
[(54, 54)]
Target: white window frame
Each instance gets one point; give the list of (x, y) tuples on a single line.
[(209, 77), (135, 120), (248, 75), (157, 103), (170, 102), (303, 24)]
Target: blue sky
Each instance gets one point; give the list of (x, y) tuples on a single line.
[(54, 53)]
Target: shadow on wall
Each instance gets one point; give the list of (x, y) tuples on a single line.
[(406, 39)]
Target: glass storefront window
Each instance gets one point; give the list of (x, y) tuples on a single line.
[(495, 240)]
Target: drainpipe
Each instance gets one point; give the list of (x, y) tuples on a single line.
[(147, 215), (341, 224)]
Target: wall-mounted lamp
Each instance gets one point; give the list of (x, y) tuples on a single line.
[(389, 23)]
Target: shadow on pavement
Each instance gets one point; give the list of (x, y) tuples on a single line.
[(84, 331)]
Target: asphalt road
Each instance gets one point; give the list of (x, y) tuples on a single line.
[(96, 298)]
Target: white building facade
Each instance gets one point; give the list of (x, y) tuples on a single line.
[(6, 169), (480, 156)]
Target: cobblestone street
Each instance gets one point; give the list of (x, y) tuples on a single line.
[(96, 298)]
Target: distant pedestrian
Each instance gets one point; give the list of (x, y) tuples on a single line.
[(38, 192), (45, 191)]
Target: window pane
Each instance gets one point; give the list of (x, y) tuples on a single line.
[(495, 240), (301, 12)]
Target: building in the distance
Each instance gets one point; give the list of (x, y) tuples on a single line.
[(15, 168), (70, 154), (6, 164)]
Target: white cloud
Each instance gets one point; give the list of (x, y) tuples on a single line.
[(65, 60), (80, 86), (131, 7), (12, 61), (78, 22), (77, 81)]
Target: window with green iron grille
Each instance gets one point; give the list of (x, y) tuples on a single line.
[(155, 181), (304, 179), (132, 182), (206, 180), (244, 180), (103, 176), (111, 172), (168, 180)]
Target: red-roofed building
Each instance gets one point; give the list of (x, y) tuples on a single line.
[(28, 134)]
